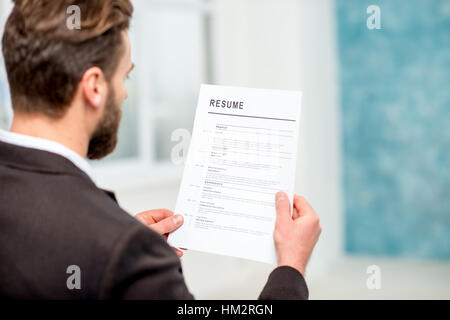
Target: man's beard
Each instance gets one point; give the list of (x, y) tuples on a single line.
[(104, 139)]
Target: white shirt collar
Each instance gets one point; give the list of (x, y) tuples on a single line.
[(50, 146)]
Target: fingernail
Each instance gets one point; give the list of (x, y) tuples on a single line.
[(177, 219), (280, 196)]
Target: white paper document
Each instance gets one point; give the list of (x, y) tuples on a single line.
[(242, 152)]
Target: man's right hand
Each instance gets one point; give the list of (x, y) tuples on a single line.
[(295, 236)]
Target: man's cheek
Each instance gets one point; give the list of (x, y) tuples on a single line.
[(123, 96)]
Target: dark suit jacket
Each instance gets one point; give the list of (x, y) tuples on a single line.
[(53, 216)]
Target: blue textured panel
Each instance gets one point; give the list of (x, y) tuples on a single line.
[(395, 100)]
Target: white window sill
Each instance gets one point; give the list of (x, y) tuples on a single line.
[(129, 175)]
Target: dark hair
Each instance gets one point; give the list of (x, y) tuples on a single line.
[(45, 60)]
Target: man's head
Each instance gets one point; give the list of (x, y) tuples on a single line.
[(57, 72)]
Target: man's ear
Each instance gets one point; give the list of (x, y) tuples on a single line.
[(93, 86)]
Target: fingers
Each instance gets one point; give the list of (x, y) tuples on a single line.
[(178, 252), (302, 206), (160, 214), (153, 216), (282, 206), (168, 225), (295, 214)]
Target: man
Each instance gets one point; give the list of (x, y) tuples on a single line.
[(67, 88)]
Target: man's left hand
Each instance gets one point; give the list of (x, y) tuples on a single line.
[(162, 221)]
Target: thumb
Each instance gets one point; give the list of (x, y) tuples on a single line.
[(282, 206), (167, 225)]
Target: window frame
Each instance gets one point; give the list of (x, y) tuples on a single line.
[(144, 170)]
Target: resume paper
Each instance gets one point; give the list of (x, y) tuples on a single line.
[(242, 152)]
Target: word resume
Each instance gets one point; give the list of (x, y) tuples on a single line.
[(242, 152)]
